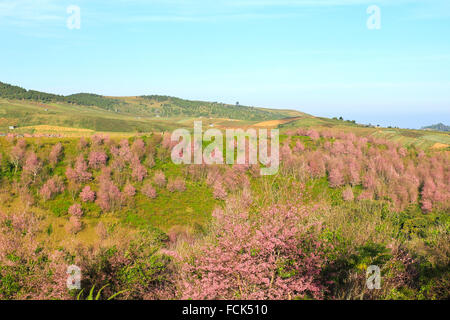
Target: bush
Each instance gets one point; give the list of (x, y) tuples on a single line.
[(269, 255)]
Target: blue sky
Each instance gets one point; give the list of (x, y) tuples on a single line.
[(317, 56)]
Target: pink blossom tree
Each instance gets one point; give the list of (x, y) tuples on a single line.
[(370, 180), (75, 210), (313, 134), (97, 159), (74, 225), (32, 165), (347, 194), (17, 155), (125, 151), (176, 184), (336, 175), (219, 191), (149, 191), (82, 144), (316, 165), (55, 154), (160, 179), (109, 196), (354, 175), (80, 171), (87, 195), (269, 256), (129, 190), (52, 187), (139, 172), (299, 147), (138, 148)]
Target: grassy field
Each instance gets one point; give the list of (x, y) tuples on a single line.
[(424, 139), (83, 114), (73, 120), (379, 224)]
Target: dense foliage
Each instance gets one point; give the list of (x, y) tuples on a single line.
[(169, 106), (178, 107), (128, 217)]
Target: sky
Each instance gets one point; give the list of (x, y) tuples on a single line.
[(325, 57)]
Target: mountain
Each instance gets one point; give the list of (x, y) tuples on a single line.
[(438, 127), (30, 111), (150, 105)]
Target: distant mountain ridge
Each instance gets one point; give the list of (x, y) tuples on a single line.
[(152, 105), (438, 127)]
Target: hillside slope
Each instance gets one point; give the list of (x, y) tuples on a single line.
[(146, 106), (82, 114), (438, 127)]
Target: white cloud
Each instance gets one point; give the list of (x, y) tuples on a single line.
[(31, 12)]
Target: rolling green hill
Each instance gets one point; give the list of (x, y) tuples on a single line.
[(146, 106), (438, 127), (33, 111), (420, 138)]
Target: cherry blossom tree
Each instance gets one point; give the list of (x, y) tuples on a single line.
[(176, 184), (82, 144), (17, 155), (75, 210), (32, 165), (347, 194), (299, 147), (55, 154), (129, 190), (87, 195), (109, 196), (269, 256), (52, 187), (138, 148), (160, 179), (97, 159), (80, 171), (139, 172), (74, 225), (219, 191), (149, 191)]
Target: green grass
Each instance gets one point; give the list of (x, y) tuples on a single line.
[(117, 114), (407, 137), (193, 206)]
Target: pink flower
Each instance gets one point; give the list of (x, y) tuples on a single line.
[(55, 154), (75, 225), (149, 191), (271, 256), (87, 195), (176, 184), (76, 210), (79, 173), (138, 148), (97, 159), (139, 172), (52, 187), (129, 190), (32, 164), (160, 179), (219, 191), (347, 194)]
